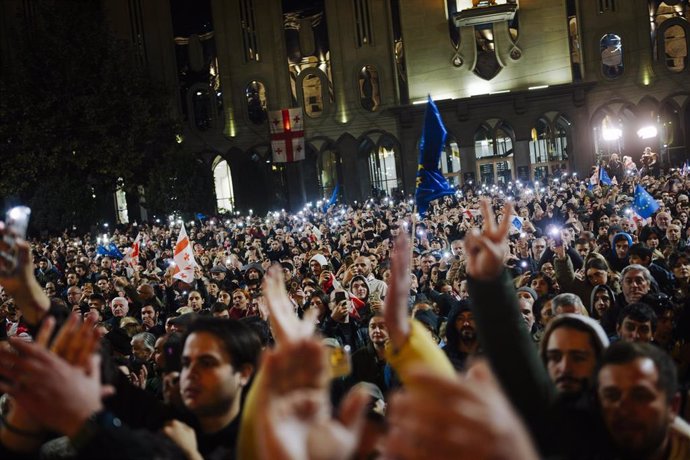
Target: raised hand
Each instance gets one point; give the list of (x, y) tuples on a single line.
[(184, 436), (486, 250), (294, 412), (59, 396), (478, 420), (18, 280), (286, 326), (395, 305)]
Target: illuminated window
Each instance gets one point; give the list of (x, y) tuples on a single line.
[(548, 147), (383, 168), (312, 93), (328, 172), (450, 162), (676, 48), (256, 102), (222, 178), (611, 56), (369, 92), (493, 149)]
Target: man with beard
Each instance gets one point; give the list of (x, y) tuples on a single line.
[(252, 277), (637, 389), (461, 335), (570, 348), (548, 389), (369, 363)]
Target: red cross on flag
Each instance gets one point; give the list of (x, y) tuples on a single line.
[(133, 257), (287, 135), (184, 258)]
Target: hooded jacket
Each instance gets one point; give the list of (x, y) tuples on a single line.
[(608, 322)]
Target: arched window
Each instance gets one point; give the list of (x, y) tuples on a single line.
[(608, 135), (328, 171), (313, 95), (676, 48), (222, 178), (450, 162), (611, 49), (483, 142), (493, 148), (369, 92), (548, 147), (383, 168), (256, 102)]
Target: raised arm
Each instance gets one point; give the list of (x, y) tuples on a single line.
[(502, 334), (410, 344), (18, 280)]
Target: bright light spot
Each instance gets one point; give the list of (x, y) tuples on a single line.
[(647, 132), (611, 134)]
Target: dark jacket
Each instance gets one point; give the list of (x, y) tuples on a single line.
[(558, 426), (367, 367)]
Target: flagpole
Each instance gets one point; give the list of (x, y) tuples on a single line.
[(414, 233)]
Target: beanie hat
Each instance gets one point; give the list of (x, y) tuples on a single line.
[(530, 291), (573, 320), (320, 259)]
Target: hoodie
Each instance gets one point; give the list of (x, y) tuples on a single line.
[(608, 322)]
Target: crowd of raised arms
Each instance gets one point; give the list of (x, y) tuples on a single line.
[(519, 321)]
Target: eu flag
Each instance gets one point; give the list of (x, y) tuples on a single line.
[(604, 178), (431, 184), (334, 197), (644, 204), (109, 250)]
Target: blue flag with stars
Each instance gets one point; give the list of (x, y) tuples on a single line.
[(431, 184), (644, 204), (604, 178), (109, 250), (334, 198)]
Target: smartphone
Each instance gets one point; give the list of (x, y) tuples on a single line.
[(17, 220), (340, 296)]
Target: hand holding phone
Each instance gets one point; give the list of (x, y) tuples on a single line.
[(16, 224)]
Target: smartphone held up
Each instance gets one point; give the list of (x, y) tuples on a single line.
[(16, 225)]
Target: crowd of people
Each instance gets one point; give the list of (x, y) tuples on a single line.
[(513, 321)]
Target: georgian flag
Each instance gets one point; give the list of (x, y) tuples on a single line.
[(133, 257), (472, 213), (184, 258), (287, 135)]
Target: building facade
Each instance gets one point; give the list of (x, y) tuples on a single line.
[(528, 89)]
